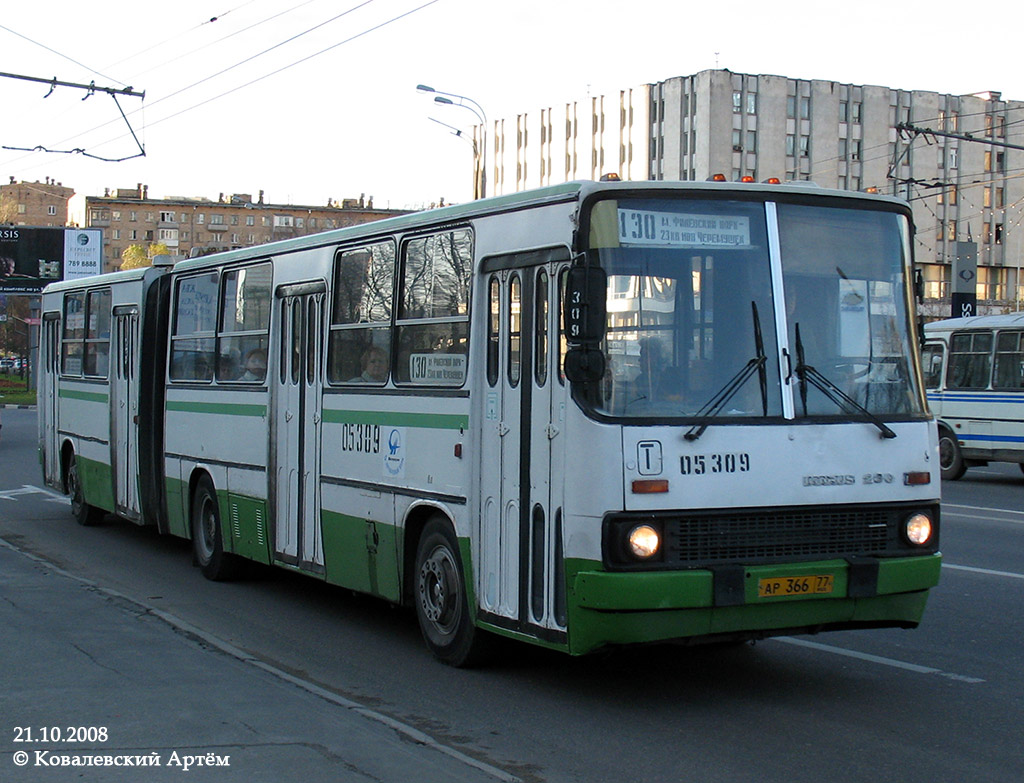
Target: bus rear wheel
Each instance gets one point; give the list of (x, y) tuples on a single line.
[(951, 460), (442, 608), (207, 539), (83, 513)]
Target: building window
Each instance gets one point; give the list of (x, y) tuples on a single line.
[(737, 101), (790, 144), (986, 196), (805, 146), (751, 103), (805, 108), (855, 112), (952, 157), (844, 111), (166, 217), (51, 210), (791, 106), (250, 220)]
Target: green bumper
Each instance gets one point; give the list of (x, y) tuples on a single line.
[(628, 608)]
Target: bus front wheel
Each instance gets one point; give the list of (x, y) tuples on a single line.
[(951, 460), (207, 540), (83, 513), (442, 607)]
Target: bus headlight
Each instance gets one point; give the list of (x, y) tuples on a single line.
[(918, 529), (644, 542)]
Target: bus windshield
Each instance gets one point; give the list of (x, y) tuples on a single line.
[(739, 310)]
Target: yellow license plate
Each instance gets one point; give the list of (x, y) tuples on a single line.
[(776, 587)]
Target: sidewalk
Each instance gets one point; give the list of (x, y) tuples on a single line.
[(144, 698)]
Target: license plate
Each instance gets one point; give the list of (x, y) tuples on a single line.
[(815, 584)]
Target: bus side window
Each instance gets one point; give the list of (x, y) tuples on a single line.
[(193, 337), (359, 348), (970, 360), (432, 339), (1008, 372)]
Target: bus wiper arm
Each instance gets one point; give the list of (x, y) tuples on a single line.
[(807, 374), (727, 392)]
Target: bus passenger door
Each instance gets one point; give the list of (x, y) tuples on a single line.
[(523, 414), (49, 372), (296, 427), (124, 411)]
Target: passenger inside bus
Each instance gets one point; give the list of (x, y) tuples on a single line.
[(374, 365)]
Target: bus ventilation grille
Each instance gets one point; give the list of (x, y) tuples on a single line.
[(767, 535)]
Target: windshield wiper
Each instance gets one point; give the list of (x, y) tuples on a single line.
[(727, 392), (807, 374)]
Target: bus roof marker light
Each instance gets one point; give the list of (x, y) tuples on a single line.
[(717, 178)]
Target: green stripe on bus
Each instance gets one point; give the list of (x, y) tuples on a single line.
[(434, 421), (224, 408), (72, 394)]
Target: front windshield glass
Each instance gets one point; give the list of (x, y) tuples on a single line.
[(692, 324), (843, 273), (685, 279)]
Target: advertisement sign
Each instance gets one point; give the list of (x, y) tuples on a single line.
[(30, 258)]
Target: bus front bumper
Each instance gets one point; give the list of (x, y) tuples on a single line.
[(608, 608)]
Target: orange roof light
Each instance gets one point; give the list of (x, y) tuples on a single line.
[(717, 178), (773, 181), (746, 178)]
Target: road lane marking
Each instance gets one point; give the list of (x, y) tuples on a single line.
[(28, 489), (986, 571), (1020, 514), (892, 662)]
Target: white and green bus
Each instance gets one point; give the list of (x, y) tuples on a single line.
[(593, 414)]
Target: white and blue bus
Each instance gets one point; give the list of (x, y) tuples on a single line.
[(974, 380), (593, 414)]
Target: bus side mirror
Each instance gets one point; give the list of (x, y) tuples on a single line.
[(585, 292), (584, 364), (585, 316)]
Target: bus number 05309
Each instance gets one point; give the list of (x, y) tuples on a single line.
[(701, 464), (361, 438)]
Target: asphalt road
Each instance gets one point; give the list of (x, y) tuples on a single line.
[(944, 702)]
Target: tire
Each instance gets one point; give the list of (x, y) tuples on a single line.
[(951, 460), (439, 593), (83, 513), (207, 536)]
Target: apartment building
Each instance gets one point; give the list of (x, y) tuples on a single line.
[(196, 226), (35, 203), (963, 179)]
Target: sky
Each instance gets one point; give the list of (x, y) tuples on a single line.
[(311, 100)]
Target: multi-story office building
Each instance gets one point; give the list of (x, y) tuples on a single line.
[(966, 187), (35, 203), (195, 226)]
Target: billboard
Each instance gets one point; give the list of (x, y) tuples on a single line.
[(30, 258)]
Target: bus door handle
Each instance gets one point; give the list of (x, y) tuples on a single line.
[(287, 415), (503, 429), (552, 431), (789, 364)]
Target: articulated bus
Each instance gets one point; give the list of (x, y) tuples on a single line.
[(589, 415), (974, 381)]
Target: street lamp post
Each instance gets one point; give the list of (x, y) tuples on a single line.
[(480, 155)]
